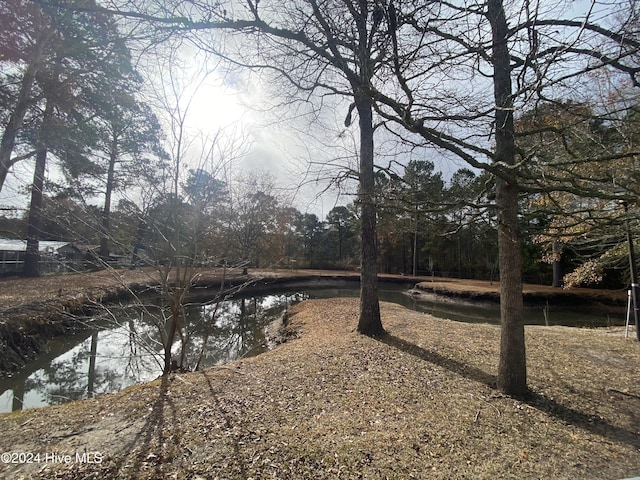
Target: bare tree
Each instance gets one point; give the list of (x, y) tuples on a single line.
[(333, 48), (184, 196), (525, 62), (320, 47), (453, 74)]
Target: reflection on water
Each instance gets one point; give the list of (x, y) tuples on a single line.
[(123, 346)]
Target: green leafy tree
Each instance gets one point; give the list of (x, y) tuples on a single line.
[(210, 200), (26, 39), (252, 216), (128, 137), (422, 197), (469, 225), (70, 60), (311, 231)]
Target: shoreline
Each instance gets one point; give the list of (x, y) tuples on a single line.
[(54, 303), (331, 402)]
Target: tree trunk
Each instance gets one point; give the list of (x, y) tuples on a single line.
[(459, 245), (106, 211), (512, 367), (556, 264), (369, 322), (169, 365), (91, 374), (31, 267), (23, 103), (15, 122), (18, 395), (415, 244), (139, 241)]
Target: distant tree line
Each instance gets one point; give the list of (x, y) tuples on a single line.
[(426, 226), (71, 98), (487, 83)]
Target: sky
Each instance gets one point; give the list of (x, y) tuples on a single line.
[(241, 108), (234, 108), (264, 139), (287, 149)]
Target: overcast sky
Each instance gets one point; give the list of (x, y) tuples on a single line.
[(289, 143)]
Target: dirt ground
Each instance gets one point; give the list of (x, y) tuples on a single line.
[(330, 403)]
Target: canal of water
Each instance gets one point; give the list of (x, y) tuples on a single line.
[(122, 344)]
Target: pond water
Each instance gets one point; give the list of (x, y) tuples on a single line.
[(122, 346)]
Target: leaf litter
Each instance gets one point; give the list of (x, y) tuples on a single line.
[(331, 403)]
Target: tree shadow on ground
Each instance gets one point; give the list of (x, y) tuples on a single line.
[(589, 422), (150, 439), (228, 422), (455, 366)]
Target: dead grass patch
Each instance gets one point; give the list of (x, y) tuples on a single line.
[(335, 404)]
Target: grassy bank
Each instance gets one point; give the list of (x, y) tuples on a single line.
[(334, 404)]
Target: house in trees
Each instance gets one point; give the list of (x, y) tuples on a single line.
[(54, 256)]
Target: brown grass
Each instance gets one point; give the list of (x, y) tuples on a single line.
[(16, 291), (335, 404)]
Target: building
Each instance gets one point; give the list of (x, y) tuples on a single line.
[(55, 256)]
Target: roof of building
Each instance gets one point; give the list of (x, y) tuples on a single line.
[(9, 245)]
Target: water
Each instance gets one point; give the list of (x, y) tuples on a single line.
[(122, 345)]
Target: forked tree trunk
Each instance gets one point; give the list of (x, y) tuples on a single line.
[(512, 367), (16, 119), (369, 322)]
